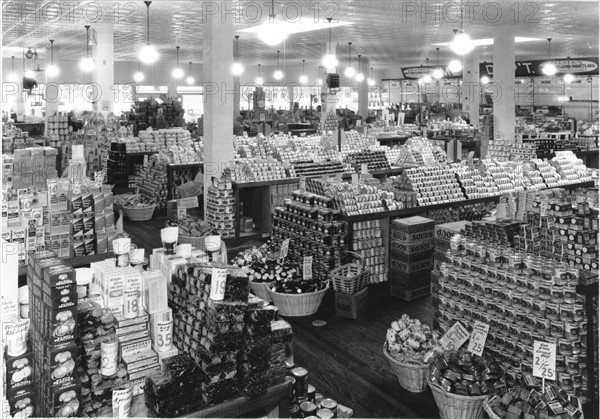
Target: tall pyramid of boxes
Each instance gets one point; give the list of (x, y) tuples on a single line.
[(411, 257)]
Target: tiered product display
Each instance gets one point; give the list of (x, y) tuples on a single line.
[(14, 138), (219, 207)]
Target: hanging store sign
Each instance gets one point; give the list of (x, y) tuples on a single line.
[(531, 68), (415, 73)]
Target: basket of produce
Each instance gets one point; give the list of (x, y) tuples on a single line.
[(527, 398), (409, 346), (461, 383), (350, 277), (262, 267), (137, 207)]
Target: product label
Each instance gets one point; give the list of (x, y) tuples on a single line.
[(217, 284), (478, 338), (109, 353)]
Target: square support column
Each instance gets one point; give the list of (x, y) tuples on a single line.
[(502, 88)]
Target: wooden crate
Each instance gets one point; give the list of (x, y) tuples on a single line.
[(352, 305)]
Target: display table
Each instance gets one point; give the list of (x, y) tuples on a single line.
[(274, 404)]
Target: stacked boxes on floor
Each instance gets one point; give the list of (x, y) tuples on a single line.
[(53, 312), (411, 257), (152, 181), (368, 241), (219, 208), (117, 169), (281, 337), (31, 167), (442, 235)]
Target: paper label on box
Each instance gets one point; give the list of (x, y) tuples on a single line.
[(307, 265), (544, 360), (454, 337), (478, 338), (217, 284)]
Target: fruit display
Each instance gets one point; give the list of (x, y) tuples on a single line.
[(465, 374), (409, 340), (191, 226)]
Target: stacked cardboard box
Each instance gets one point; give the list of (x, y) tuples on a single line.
[(411, 257), (31, 167), (442, 235), (281, 341)]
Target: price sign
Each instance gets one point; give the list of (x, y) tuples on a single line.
[(185, 203), (181, 213), (302, 184), (164, 335), (544, 360), (478, 338), (364, 168), (285, 247), (454, 337), (217, 284), (307, 267), (355, 178)]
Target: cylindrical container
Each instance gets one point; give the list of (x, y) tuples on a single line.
[(121, 401), (565, 347), (84, 278), (325, 414), (557, 329), (169, 236), (301, 376), (16, 337), (330, 404), (164, 332), (310, 393), (308, 409), (109, 352), (552, 310), (572, 364), (121, 248), (136, 258)]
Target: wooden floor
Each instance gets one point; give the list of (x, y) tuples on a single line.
[(344, 358)]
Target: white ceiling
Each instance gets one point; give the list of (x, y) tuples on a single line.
[(388, 32)]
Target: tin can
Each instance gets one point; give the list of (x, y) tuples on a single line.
[(583, 328), (525, 336), (527, 304), (570, 293), (557, 329), (552, 310), (526, 367), (565, 347), (558, 294), (543, 326), (539, 307), (560, 363), (567, 312), (521, 280), (331, 405), (565, 380), (572, 364), (577, 381)]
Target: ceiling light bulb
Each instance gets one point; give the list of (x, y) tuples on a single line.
[(371, 82), (549, 69), (87, 64), (177, 73), (330, 61), (319, 81), (569, 78), (359, 77), (259, 81), (190, 80), (426, 78), (272, 34), (303, 79), (52, 70), (437, 73), (237, 69), (485, 80), (350, 72), (455, 66), (148, 54), (138, 77), (462, 44), (13, 78), (278, 75), (29, 74), (563, 99)]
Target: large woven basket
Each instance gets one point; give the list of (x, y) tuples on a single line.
[(412, 377), (493, 415), (261, 289), (139, 213), (297, 305), (456, 406), (350, 277)]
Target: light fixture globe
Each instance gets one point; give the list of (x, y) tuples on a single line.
[(455, 66), (426, 78), (485, 80), (462, 44), (568, 78), (52, 70), (371, 82), (549, 69), (437, 73), (272, 34), (29, 74), (278, 75), (13, 78), (190, 80), (350, 72), (177, 73), (303, 79), (237, 69), (329, 61), (319, 81), (148, 54), (359, 77), (260, 81), (138, 77), (87, 64)]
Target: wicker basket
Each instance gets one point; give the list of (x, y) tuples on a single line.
[(297, 305), (139, 213), (412, 377), (456, 406), (261, 289), (351, 277), (493, 415)]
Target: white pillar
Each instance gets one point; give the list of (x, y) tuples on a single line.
[(363, 90), (52, 86), (237, 97), (218, 96), (502, 89), (104, 72), (172, 89), (471, 87)]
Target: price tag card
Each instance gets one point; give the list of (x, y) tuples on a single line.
[(355, 178), (544, 360), (307, 267), (454, 337), (181, 213), (217, 284), (185, 203), (302, 184), (364, 168), (285, 247), (478, 338)]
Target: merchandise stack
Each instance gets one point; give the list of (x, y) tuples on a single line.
[(219, 207), (150, 113), (28, 168), (152, 181), (411, 257), (14, 138), (331, 123), (116, 167), (57, 130), (374, 159), (368, 242), (428, 185), (157, 140), (253, 170), (442, 236)]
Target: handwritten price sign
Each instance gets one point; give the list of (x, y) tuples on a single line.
[(478, 338), (454, 337), (544, 360), (285, 247), (307, 267)]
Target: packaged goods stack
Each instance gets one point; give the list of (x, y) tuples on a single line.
[(428, 185), (57, 130), (152, 181), (252, 170), (442, 236), (28, 168), (281, 337), (93, 146), (374, 159), (219, 207), (53, 313), (502, 232), (411, 257), (117, 165), (570, 168), (14, 138), (331, 123), (159, 140), (475, 183), (150, 113), (310, 168), (368, 242), (499, 150)]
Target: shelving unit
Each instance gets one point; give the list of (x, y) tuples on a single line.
[(589, 291)]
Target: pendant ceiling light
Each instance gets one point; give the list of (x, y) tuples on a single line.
[(350, 71), (437, 73), (370, 80), (138, 76), (462, 43), (177, 72), (485, 80), (12, 76), (549, 68), (259, 80), (87, 64), (455, 66), (148, 54), (330, 60), (29, 54), (359, 76), (319, 80), (303, 78), (568, 78), (426, 77), (190, 79), (278, 74), (29, 74), (271, 33), (52, 69), (237, 68)]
